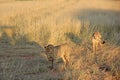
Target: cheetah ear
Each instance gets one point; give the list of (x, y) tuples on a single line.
[(45, 47), (103, 42)]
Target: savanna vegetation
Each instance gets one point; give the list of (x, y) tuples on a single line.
[(26, 26)]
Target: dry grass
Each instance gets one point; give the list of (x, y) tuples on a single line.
[(33, 24)]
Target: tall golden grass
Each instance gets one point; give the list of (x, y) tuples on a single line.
[(67, 21)]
